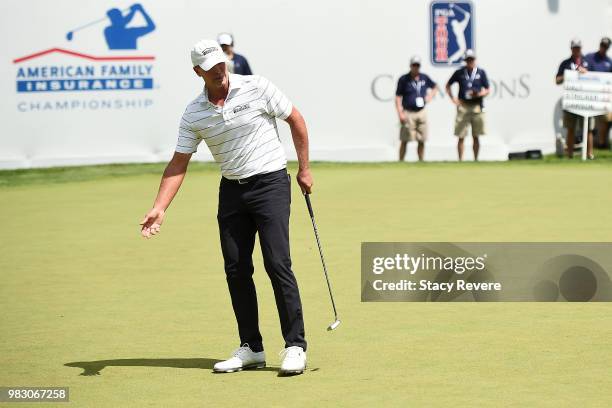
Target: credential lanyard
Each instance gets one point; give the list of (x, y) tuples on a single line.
[(417, 85), (471, 78)]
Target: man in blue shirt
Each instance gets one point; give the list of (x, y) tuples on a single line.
[(414, 90), (576, 62), (473, 87), (236, 63), (600, 62)]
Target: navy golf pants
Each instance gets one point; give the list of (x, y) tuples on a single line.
[(261, 205)]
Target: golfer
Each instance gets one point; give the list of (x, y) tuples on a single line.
[(236, 116)]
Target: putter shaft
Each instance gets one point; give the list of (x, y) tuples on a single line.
[(316, 231)]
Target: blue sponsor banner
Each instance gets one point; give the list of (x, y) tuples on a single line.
[(90, 84), (451, 31)]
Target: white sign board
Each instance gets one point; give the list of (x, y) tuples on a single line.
[(588, 94)]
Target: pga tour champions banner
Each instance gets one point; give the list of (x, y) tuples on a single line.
[(107, 81)]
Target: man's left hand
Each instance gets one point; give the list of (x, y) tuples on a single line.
[(304, 179)]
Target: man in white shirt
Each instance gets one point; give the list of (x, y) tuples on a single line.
[(236, 116)]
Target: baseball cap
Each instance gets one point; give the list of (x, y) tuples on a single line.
[(207, 54), (415, 59), (469, 54), (576, 43), (225, 39), (605, 41)]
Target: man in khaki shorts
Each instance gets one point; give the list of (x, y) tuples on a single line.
[(576, 62), (414, 90), (473, 87)]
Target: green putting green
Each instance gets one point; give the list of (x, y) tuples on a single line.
[(123, 321)]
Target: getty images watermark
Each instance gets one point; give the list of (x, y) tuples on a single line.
[(464, 272)]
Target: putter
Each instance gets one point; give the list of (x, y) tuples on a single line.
[(336, 322)]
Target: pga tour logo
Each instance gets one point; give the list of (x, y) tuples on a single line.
[(451, 31)]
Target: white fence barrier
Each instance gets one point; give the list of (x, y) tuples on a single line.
[(107, 81)]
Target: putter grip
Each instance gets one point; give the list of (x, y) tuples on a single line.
[(307, 197)]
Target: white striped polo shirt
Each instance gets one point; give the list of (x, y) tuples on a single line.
[(242, 135)]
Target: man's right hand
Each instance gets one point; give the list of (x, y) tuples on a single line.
[(152, 222), (402, 117), (456, 101)]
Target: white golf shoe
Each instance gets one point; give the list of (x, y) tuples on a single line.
[(294, 361), (242, 358)]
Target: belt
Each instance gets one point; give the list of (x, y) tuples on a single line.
[(254, 177)]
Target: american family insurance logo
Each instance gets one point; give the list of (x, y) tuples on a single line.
[(64, 70), (451, 31)]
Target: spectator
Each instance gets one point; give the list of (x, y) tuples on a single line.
[(576, 62), (236, 63), (414, 90), (473, 87), (600, 62)]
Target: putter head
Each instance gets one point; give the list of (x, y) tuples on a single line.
[(334, 325)]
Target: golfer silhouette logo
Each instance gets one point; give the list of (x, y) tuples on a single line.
[(451, 31), (118, 35), (459, 28)]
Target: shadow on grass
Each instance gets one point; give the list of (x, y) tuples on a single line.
[(94, 367)]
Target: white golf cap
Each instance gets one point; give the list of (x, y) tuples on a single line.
[(225, 39), (576, 43), (415, 59), (207, 54), (469, 54)]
